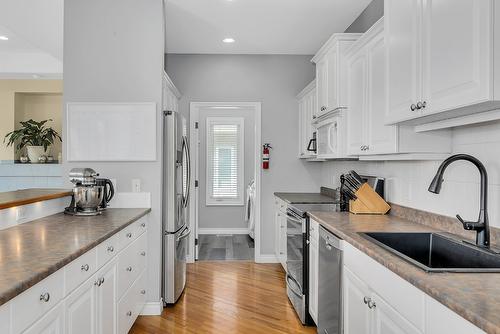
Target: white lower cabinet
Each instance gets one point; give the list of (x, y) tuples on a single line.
[(377, 301), (280, 207), (313, 269), (81, 309), (51, 323), (106, 300)]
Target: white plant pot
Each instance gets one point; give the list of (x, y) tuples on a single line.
[(35, 152)]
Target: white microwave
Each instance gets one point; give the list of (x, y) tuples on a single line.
[(329, 136)]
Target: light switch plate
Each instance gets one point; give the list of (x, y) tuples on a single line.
[(136, 185)]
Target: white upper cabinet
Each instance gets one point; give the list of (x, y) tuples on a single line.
[(367, 134), (307, 104), (442, 59), (330, 72)]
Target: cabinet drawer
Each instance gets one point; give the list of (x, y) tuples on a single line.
[(131, 304), (36, 301), (80, 270), (131, 232), (107, 250), (398, 293), (131, 262)]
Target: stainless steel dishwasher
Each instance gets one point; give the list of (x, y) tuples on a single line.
[(329, 285)]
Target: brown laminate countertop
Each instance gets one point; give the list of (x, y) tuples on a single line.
[(10, 199), (305, 198), (32, 251), (474, 296)]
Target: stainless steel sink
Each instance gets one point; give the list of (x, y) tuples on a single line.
[(436, 253)]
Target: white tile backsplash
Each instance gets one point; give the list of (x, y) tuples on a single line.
[(407, 181)]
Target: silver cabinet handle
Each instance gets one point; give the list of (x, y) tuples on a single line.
[(371, 304), (143, 253), (97, 283), (111, 249), (143, 224), (85, 267), (366, 300), (367, 148), (421, 105), (413, 107), (143, 292), (129, 235), (45, 297), (129, 313), (102, 280), (129, 269)]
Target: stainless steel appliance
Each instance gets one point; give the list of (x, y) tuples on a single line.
[(87, 196), (108, 191), (176, 180), (329, 285), (297, 229)]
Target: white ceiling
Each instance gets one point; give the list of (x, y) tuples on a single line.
[(258, 26), (35, 32)]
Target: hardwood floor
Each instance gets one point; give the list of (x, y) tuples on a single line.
[(228, 297)]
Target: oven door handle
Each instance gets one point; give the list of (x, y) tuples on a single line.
[(293, 282)]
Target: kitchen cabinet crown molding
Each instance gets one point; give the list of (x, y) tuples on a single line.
[(307, 89), (338, 37), (366, 38), (170, 84)]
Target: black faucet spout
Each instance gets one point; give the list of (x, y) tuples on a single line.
[(482, 224)]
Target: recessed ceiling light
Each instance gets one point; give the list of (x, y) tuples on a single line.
[(4, 38), (228, 40)]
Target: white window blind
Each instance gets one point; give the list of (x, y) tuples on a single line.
[(225, 158)]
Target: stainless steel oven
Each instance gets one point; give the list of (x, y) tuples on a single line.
[(297, 248)]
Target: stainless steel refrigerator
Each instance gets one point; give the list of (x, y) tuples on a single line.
[(175, 183)]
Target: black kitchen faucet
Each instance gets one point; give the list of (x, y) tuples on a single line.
[(481, 226)]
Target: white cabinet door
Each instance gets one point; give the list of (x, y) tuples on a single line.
[(282, 242), (313, 273), (402, 28), (388, 321), (357, 67), (457, 40), (302, 128), (81, 309), (332, 98), (357, 315), (51, 323), (381, 138), (106, 300), (322, 85)]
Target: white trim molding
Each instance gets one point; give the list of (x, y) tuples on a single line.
[(223, 230), (152, 308), (267, 258)]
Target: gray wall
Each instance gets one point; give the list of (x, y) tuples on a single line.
[(273, 80), (225, 216), (372, 13), (113, 52)]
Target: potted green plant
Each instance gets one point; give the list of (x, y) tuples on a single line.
[(35, 136)]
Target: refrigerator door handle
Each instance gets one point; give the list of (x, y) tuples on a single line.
[(185, 147)]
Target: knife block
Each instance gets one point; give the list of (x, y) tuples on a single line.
[(368, 202)]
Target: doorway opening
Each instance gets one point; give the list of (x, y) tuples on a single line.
[(225, 140)]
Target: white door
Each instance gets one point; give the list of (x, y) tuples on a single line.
[(51, 323), (457, 52), (313, 275), (81, 309), (402, 29), (357, 314), (333, 76), (356, 69), (388, 321), (106, 300), (381, 138), (322, 85)]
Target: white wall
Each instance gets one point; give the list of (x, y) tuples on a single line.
[(273, 80), (113, 52), (407, 182), (225, 216)]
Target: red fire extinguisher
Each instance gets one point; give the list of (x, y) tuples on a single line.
[(265, 156)]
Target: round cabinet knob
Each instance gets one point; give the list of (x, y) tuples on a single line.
[(129, 235), (328, 247), (143, 292), (367, 148), (111, 249), (129, 269), (143, 225), (371, 304), (129, 313), (97, 283), (45, 297), (421, 105), (101, 280), (413, 107), (85, 267), (366, 300), (143, 253)]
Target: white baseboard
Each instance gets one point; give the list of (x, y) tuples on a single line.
[(152, 308), (223, 231), (267, 258)]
